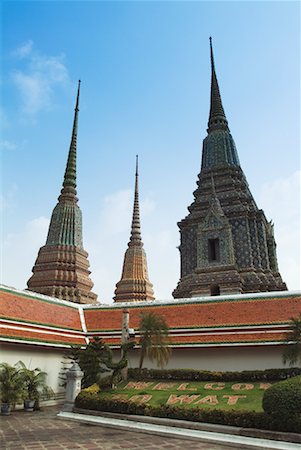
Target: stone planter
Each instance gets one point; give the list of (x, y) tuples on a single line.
[(5, 409), (29, 405)]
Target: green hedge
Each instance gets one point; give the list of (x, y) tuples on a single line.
[(204, 375), (244, 419), (283, 398)]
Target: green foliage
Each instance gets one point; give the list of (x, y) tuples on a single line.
[(97, 358), (204, 375), (154, 339), (94, 388), (284, 398), (292, 351), (90, 360), (245, 419), (34, 382), (11, 386), (105, 383), (158, 393), (117, 367)]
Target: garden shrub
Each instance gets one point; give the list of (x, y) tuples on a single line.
[(244, 419), (204, 375), (105, 383), (283, 398), (94, 388)]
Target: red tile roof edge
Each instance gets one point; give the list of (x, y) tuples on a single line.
[(184, 301), (35, 295)]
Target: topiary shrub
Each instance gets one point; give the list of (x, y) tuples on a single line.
[(283, 398)]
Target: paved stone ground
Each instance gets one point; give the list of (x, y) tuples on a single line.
[(43, 430)]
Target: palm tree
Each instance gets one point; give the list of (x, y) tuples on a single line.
[(154, 339), (35, 384), (11, 387), (292, 352)]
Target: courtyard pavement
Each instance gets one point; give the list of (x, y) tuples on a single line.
[(43, 430)]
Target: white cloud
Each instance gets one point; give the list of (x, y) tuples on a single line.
[(38, 79), (24, 49), (20, 251), (7, 145), (7, 199), (4, 122), (163, 261), (108, 242), (118, 208), (280, 200)]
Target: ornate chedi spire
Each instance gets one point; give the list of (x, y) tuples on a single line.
[(62, 268), (134, 284), (227, 244), (217, 118)]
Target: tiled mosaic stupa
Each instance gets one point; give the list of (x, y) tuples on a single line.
[(62, 268), (227, 244), (134, 285)]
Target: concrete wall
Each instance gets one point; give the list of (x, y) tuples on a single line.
[(47, 359), (216, 359), (220, 359)]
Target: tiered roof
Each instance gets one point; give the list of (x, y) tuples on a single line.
[(62, 267), (134, 285)]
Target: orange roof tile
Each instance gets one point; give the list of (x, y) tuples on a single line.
[(33, 308), (42, 337), (201, 314)]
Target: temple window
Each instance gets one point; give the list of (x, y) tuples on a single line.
[(215, 290), (213, 250)]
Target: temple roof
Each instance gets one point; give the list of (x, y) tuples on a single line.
[(134, 284), (62, 267), (247, 319), (66, 221)]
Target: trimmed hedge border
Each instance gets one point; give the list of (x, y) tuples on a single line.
[(204, 375), (283, 398), (243, 419)]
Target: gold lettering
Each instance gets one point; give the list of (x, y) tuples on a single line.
[(140, 398), (264, 385), (233, 399), (183, 387), (182, 399), (209, 400), (242, 387), (163, 386), (137, 385), (214, 386)]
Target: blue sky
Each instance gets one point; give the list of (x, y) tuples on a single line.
[(145, 74)]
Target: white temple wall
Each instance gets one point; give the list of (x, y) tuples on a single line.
[(47, 359), (51, 360), (220, 359)]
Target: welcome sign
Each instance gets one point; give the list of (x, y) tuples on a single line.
[(192, 394)]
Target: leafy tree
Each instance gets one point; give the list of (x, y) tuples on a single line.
[(97, 358), (292, 352), (117, 366), (154, 339), (90, 360)]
